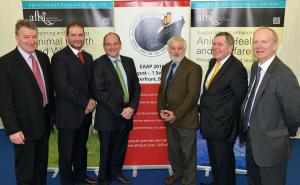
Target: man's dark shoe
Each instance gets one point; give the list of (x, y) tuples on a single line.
[(172, 179), (103, 183), (206, 183), (122, 180), (88, 180)]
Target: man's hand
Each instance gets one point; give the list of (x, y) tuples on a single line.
[(127, 112), (17, 138), (167, 116), (90, 106)]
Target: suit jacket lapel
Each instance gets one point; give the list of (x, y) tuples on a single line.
[(113, 72), (179, 70), (164, 76), (210, 67), (23, 64), (222, 71), (252, 75), (75, 60), (264, 82), (127, 71), (86, 64)]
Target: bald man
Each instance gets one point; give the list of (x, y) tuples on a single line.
[(271, 112)]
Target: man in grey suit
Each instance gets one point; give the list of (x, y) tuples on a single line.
[(271, 112), (177, 106)]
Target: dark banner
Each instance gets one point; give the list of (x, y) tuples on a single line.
[(62, 17), (237, 17)]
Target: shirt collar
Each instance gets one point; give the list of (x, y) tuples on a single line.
[(75, 51), (177, 63), (224, 59), (25, 54), (266, 64), (114, 59)]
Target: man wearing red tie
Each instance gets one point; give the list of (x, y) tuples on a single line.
[(74, 105), (26, 98)]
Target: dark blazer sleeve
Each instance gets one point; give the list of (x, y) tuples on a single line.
[(7, 108), (289, 99), (63, 86)]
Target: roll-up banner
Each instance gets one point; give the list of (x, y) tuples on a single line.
[(240, 18), (145, 31)]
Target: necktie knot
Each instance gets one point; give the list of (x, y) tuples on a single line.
[(32, 57), (117, 61), (173, 65), (80, 56)]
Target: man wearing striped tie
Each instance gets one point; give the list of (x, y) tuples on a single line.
[(224, 89)]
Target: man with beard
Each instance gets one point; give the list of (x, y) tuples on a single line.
[(74, 105), (178, 95)]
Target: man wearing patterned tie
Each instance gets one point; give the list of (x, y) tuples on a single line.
[(224, 89), (178, 95), (26, 104), (117, 91), (74, 104), (271, 112)]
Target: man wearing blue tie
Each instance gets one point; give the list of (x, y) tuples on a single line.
[(178, 95), (271, 112)]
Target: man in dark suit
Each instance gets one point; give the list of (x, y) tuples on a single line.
[(117, 91), (26, 98), (271, 112), (74, 105), (178, 95), (224, 89)]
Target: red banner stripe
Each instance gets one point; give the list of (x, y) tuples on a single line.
[(152, 3)]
